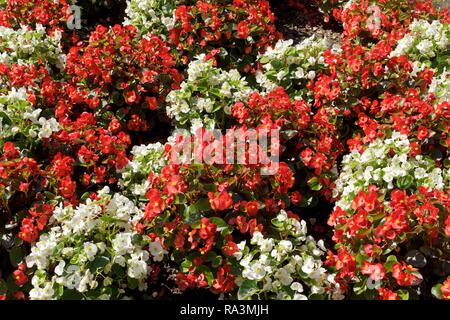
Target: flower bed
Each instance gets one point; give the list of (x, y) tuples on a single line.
[(191, 148)]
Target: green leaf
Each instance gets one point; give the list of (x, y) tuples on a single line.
[(194, 211), (5, 118), (404, 182), (276, 223), (360, 288), (180, 198), (118, 270), (247, 289), (447, 163), (210, 256), (219, 222), (403, 294), (203, 205), (436, 291), (16, 256), (3, 287), (71, 295), (390, 261), (85, 196), (11, 283), (316, 296), (264, 60), (132, 283), (217, 261), (18, 241), (314, 184), (98, 263), (209, 276), (185, 265), (49, 195), (360, 258)]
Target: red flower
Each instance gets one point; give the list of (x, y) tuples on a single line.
[(422, 133), (28, 231), (365, 200), (207, 229), (20, 277), (445, 289), (296, 197), (243, 30), (179, 241), (155, 205), (386, 294), (152, 103), (67, 187), (414, 149), (307, 156), (224, 282), (242, 224), (284, 178), (181, 281), (252, 208), (63, 165), (345, 262), (221, 202), (403, 273), (9, 150), (176, 185), (230, 248), (426, 213), (376, 271), (447, 226), (131, 97)]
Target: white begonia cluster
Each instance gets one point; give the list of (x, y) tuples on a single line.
[(440, 87), (292, 66), (286, 268), (206, 93), (425, 40), (25, 46), (146, 159), (94, 245), (155, 16), (375, 166), (17, 115)]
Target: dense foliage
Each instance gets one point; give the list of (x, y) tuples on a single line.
[(96, 204)]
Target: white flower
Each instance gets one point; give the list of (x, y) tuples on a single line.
[(157, 251), (122, 243), (45, 293), (282, 216), (425, 46), (283, 276), (85, 281), (241, 246), (120, 260), (285, 246), (257, 238), (266, 245), (137, 265), (255, 271), (59, 269), (73, 277), (299, 296), (297, 286), (308, 265), (90, 250), (420, 173)]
